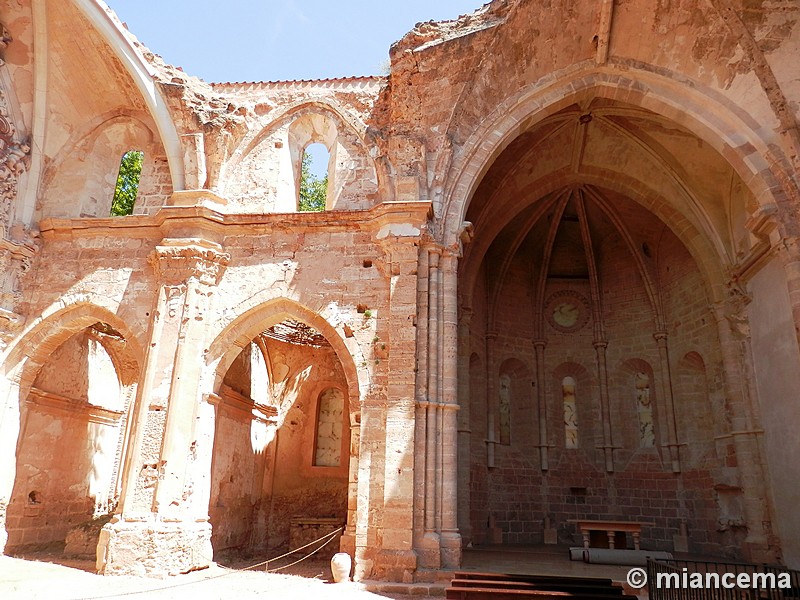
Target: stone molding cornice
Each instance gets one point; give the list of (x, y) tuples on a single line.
[(206, 215), (79, 409)]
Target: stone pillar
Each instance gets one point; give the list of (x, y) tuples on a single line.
[(746, 433), (450, 537), (669, 401), (464, 427), (15, 260), (10, 429), (397, 560), (370, 500), (430, 549), (600, 347), (162, 522), (491, 391), (421, 397), (541, 403), (348, 541)]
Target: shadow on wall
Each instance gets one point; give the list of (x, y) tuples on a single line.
[(70, 448), (282, 446)]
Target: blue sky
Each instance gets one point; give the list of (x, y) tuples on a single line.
[(273, 40), (267, 40)]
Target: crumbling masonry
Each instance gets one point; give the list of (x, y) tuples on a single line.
[(557, 278)]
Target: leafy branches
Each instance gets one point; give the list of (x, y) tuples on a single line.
[(313, 189), (130, 170)]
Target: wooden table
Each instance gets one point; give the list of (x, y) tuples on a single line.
[(611, 528)]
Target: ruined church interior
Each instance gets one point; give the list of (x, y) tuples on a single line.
[(554, 280)]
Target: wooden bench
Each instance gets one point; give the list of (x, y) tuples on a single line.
[(611, 528)]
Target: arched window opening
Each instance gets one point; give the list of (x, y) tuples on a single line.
[(568, 392), (505, 409), (328, 452), (127, 187), (314, 178), (644, 408)]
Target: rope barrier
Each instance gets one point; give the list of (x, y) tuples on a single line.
[(327, 537)]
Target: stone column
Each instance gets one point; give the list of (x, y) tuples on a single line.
[(669, 401), (430, 549), (600, 347), (10, 428), (162, 522), (421, 397), (450, 537), (464, 426), (541, 403), (491, 391)]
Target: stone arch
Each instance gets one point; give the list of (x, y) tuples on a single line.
[(142, 75), (85, 170), (723, 128), (25, 358), (353, 174), (293, 425), (257, 316), (701, 249)]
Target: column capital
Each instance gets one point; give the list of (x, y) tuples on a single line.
[(660, 337), (733, 311), (175, 261)]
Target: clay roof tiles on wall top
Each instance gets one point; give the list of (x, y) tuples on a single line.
[(334, 82)]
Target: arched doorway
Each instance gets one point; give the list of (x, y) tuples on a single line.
[(286, 436), (74, 386)]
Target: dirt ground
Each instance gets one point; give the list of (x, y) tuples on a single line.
[(41, 579)]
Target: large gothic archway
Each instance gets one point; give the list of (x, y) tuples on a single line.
[(287, 430), (603, 238)]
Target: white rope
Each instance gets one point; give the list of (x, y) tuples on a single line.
[(327, 537)]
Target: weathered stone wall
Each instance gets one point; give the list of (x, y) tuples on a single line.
[(667, 137), (263, 173), (300, 487), (67, 457)]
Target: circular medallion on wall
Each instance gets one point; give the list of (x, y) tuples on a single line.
[(567, 311)]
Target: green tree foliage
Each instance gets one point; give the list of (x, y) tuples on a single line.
[(312, 189), (130, 170)]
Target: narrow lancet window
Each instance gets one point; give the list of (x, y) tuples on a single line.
[(568, 392), (314, 178), (127, 188)]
